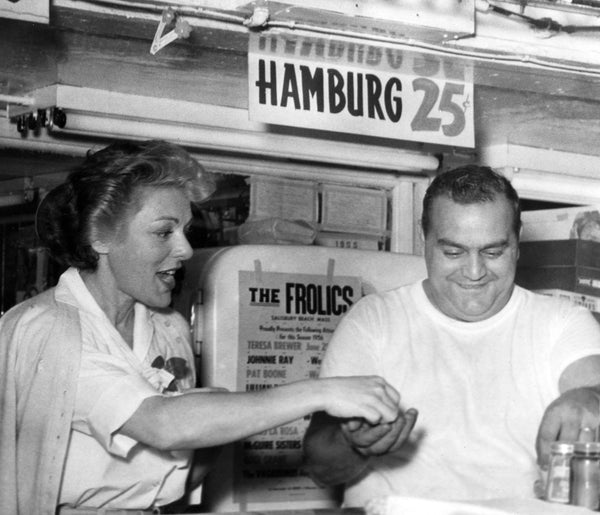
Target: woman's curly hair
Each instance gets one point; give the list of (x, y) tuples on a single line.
[(96, 195)]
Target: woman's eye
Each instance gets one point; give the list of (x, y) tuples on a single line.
[(164, 234)]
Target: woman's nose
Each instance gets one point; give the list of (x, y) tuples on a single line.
[(183, 250)]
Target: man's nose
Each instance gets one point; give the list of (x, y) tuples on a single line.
[(474, 269)]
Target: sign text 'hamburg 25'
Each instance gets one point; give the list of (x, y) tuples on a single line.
[(355, 88)]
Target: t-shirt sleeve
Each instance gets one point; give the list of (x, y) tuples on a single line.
[(577, 337), (352, 349)]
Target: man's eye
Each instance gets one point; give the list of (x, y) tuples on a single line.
[(452, 253), (493, 253)]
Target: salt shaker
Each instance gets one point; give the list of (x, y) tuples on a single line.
[(585, 470), (558, 482)]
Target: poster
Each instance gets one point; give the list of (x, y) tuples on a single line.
[(286, 322)]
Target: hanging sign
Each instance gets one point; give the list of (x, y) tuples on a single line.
[(285, 324), (37, 11), (354, 88)]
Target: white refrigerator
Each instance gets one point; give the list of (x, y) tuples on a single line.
[(261, 316)]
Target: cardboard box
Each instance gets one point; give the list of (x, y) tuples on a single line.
[(581, 222), (559, 253), (590, 302), (562, 268), (578, 279)]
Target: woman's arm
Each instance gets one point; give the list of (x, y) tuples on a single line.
[(200, 419)]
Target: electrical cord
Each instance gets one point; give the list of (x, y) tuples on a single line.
[(545, 24), (186, 8)]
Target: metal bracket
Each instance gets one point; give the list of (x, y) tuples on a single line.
[(182, 30), (259, 17)]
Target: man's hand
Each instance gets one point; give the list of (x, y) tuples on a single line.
[(377, 439), (565, 417)]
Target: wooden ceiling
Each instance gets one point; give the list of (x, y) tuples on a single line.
[(514, 104)]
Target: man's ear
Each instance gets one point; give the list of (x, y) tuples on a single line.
[(420, 231)]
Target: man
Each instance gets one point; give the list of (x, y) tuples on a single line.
[(495, 371)]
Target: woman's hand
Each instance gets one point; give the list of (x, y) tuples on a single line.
[(376, 440), (368, 397)]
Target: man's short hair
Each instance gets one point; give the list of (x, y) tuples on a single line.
[(471, 184)]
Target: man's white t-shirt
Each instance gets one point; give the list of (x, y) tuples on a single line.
[(481, 388)]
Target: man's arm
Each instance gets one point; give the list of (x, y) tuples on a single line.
[(577, 407), (328, 456), (337, 450)]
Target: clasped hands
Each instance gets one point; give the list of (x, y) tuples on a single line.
[(376, 439)]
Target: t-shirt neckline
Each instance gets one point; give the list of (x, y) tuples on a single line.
[(431, 311)]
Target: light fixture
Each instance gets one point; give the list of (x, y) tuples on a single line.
[(37, 120), (12, 199), (549, 187), (112, 115), (253, 142), (546, 174)]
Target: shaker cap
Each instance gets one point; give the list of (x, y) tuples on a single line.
[(587, 448), (562, 447)]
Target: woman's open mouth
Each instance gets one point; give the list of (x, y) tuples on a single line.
[(167, 277)]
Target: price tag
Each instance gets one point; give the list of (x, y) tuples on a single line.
[(367, 90)]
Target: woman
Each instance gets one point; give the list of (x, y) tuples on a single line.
[(97, 399)]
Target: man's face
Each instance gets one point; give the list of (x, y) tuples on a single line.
[(471, 253)]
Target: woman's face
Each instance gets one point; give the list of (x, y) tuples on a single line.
[(150, 246)]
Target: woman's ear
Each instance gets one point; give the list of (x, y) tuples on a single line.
[(100, 247), (100, 240)]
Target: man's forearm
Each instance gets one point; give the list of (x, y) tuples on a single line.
[(328, 456)]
